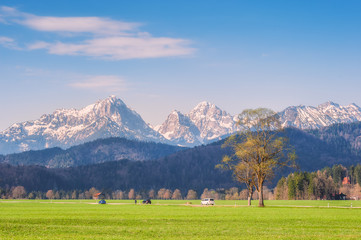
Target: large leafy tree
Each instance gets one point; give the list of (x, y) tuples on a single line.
[(242, 172), (258, 149)]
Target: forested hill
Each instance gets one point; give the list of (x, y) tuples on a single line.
[(314, 153), (98, 151), (194, 168), (344, 137), (187, 169)]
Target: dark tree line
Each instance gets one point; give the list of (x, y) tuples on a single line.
[(98, 151), (193, 168)]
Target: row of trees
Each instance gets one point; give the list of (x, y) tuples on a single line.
[(19, 192), (324, 184)]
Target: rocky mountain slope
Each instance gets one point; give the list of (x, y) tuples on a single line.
[(203, 124), (323, 115), (179, 129), (68, 127)]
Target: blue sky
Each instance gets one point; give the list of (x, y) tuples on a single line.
[(158, 56)]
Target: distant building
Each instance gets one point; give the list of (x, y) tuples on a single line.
[(99, 196), (346, 180)]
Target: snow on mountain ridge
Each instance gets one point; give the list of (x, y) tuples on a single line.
[(323, 115), (213, 123), (204, 123), (67, 127), (112, 118), (179, 129)]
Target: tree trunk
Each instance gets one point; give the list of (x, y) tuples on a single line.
[(249, 201), (250, 192), (260, 195)]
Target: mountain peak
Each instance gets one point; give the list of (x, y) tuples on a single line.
[(109, 117), (353, 105), (111, 100), (328, 104), (203, 105), (176, 112)]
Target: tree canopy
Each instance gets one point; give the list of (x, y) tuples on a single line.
[(258, 150)]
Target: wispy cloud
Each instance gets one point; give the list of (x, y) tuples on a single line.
[(108, 83), (9, 43), (94, 25), (119, 48), (102, 37), (2, 19)]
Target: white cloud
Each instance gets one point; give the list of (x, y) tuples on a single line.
[(9, 10), (108, 83), (94, 25), (119, 48), (108, 39), (38, 45), (9, 43)]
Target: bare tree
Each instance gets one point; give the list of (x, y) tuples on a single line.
[(161, 193), (232, 194), (191, 195), (118, 194), (151, 194), (167, 194), (49, 194), (177, 194), (74, 194), (131, 194), (19, 192), (205, 193)]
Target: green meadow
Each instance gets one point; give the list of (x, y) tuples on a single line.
[(79, 219)]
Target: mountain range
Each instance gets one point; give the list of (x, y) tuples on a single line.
[(326, 114), (111, 117)]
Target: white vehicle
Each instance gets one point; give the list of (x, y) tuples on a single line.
[(207, 201)]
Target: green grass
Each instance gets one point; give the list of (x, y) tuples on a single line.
[(32, 219)]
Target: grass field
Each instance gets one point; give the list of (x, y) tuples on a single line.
[(75, 219)]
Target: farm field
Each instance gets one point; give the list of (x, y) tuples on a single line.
[(122, 219)]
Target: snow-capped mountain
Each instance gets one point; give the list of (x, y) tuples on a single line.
[(323, 115), (204, 123), (213, 123), (179, 129), (112, 118), (64, 128)]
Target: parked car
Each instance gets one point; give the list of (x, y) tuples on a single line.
[(102, 201), (147, 201), (207, 201)]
